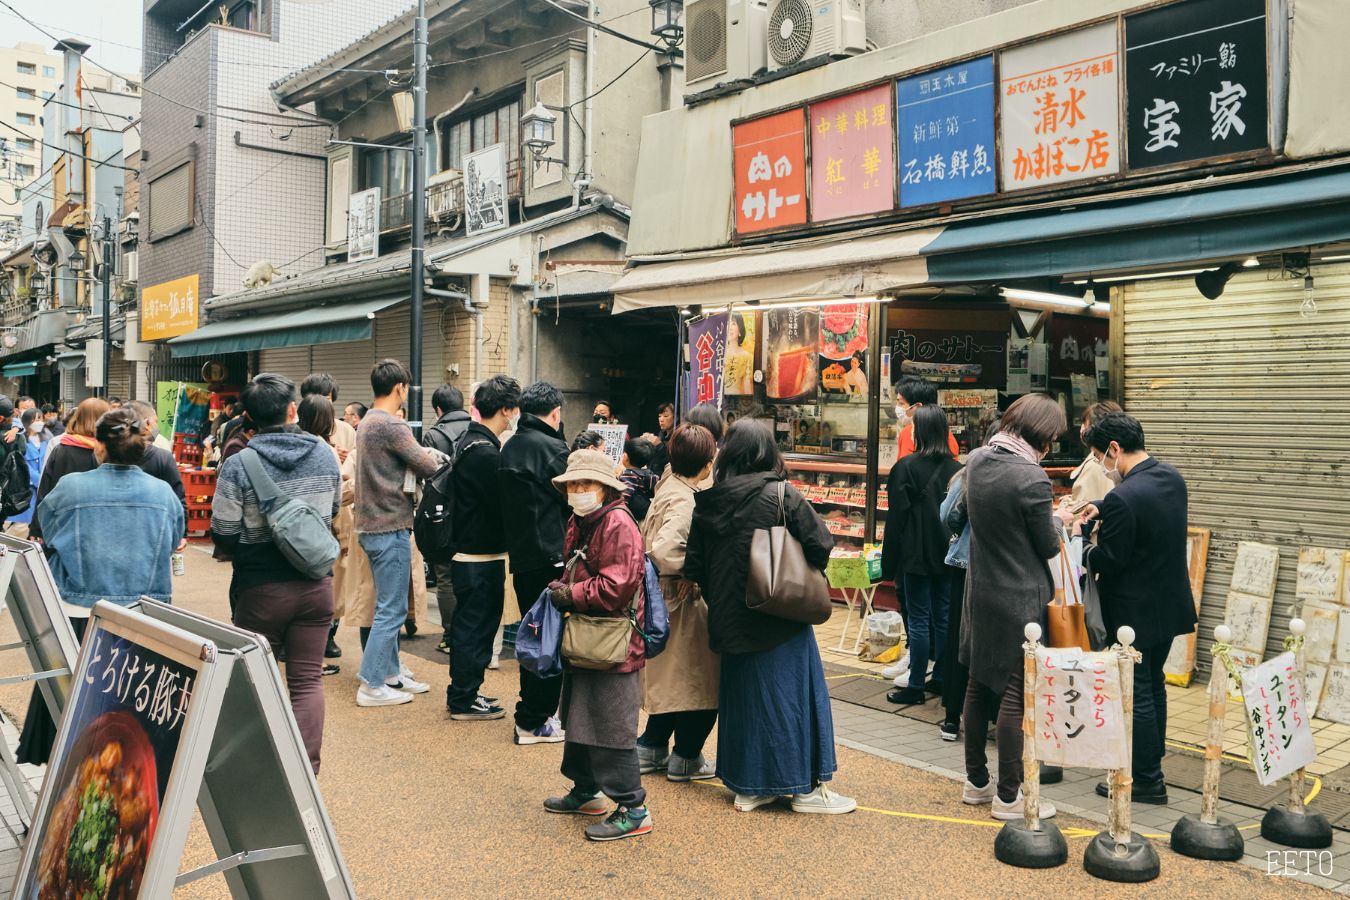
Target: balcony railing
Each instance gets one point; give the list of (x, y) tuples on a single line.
[(445, 201)]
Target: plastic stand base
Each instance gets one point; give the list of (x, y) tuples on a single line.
[(1306, 830), (1201, 840), (1017, 845), (1136, 861)]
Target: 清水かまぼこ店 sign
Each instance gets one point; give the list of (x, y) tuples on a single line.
[(770, 159)]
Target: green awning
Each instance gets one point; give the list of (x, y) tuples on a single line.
[(18, 370), (297, 328)]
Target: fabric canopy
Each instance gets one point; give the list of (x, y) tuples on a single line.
[(297, 328), (70, 361), (18, 370)]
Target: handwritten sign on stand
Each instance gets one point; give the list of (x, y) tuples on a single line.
[(615, 436), (1278, 722), (1079, 719), (1319, 574)]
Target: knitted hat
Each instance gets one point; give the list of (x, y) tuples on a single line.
[(589, 465)]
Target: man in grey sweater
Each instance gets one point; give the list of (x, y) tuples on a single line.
[(385, 452)]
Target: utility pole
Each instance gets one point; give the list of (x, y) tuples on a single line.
[(419, 215), (107, 304)]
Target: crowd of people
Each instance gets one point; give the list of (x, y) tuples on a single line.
[(969, 548)]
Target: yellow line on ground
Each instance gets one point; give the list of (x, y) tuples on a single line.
[(857, 675), (1193, 748)]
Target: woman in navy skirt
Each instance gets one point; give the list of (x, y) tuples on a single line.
[(775, 735)]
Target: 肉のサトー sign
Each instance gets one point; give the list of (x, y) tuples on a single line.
[(770, 159), (853, 159), (1061, 108), (946, 133)]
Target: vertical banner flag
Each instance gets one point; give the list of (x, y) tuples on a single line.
[(707, 359), (1195, 76), (945, 128), (770, 159), (853, 160), (1061, 108), (1079, 719), (1278, 726)]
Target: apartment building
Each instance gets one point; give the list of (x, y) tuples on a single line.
[(28, 73)]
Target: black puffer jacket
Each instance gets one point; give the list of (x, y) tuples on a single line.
[(718, 556), (534, 512)]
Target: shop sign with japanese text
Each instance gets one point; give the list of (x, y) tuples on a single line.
[(1079, 719), (1061, 109), (707, 357), (945, 127), (770, 159), (169, 308), (1195, 78), (852, 156), (1278, 728)]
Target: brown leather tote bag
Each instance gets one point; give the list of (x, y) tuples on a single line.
[(781, 582)]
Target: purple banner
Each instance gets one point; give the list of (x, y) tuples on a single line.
[(707, 356)]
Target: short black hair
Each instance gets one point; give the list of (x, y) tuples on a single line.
[(588, 440), (541, 398), (710, 417), (268, 399), (1119, 427), (604, 403), (447, 398), (750, 448), (6, 407), (916, 391), (639, 452), (387, 375), (25, 397), (361, 408), (47, 408), (496, 394), (320, 383), (665, 407)]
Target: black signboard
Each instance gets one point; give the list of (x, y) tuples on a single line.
[(1195, 76)]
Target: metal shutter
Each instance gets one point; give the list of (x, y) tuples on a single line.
[(393, 337), (170, 199), (350, 363), (293, 362), (1247, 399)]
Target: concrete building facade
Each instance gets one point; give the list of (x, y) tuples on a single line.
[(28, 74)]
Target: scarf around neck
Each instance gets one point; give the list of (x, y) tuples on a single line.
[(1014, 443), (77, 440)]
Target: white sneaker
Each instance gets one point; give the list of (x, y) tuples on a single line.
[(898, 669), (408, 685), (495, 662), (978, 796), (902, 680), (1011, 812), (825, 801), (747, 802), (383, 695)]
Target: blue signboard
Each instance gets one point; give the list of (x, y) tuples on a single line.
[(945, 124)]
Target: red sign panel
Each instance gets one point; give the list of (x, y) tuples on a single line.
[(770, 159), (852, 155)]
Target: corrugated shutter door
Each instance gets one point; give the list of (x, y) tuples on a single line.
[(349, 362), (293, 362), (393, 337), (1247, 399)]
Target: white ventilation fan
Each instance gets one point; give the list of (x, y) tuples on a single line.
[(723, 41), (805, 29)]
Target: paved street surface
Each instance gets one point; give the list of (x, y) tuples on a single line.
[(427, 808)]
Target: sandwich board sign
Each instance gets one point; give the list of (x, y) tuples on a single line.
[(171, 711)]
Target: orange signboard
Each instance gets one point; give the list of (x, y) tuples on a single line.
[(770, 160), (169, 308)]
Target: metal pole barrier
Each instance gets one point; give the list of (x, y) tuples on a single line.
[(1119, 853), (1292, 825), (1031, 843), (1209, 837)]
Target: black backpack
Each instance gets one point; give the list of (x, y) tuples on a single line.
[(433, 521), (16, 491)]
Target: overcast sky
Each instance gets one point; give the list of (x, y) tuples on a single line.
[(113, 27)]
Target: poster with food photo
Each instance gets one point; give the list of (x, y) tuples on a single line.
[(102, 799), (791, 345), (843, 350)]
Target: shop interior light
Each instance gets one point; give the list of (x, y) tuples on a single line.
[(1251, 262), (1143, 276), (1046, 297)]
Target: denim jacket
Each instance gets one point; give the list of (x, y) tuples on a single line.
[(109, 535), (953, 514)]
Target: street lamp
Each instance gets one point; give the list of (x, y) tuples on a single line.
[(666, 25), (538, 126)]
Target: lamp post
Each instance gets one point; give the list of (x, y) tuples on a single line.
[(419, 215)]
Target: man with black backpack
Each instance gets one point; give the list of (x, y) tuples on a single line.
[(535, 516), (16, 490), (478, 567), (451, 423)]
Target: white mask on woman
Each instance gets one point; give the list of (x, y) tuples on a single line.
[(584, 504)]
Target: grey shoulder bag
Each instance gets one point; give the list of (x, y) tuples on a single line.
[(297, 528), (781, 582)]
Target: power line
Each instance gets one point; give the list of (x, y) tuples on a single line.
[(68, 152), (99, 111), (600, 26)]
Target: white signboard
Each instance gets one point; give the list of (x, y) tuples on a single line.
[(485, 190), (615, 437), (363, 225), (1061, 108), (1278, 720), (1078, 718)]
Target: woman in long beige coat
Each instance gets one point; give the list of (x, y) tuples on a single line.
[(679, 687)]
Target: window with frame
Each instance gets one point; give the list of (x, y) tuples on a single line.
[(24, 68), (24, 170), (499, 125), (26, 143), (170, 201), (48, 71), (243, 14), (25, 118), (25, 93), (391, 170)]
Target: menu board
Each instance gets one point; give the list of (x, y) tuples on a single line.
[(791, 341), (770, 159), (852, 155), (945, 131), (1061, 108)]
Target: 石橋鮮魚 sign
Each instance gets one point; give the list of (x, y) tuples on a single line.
[(945, 128)]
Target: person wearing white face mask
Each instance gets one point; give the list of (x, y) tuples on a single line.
[(478, 568), (910, 394), (1090, 481)]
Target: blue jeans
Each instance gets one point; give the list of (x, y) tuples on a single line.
[(391, 568), (926, 597)]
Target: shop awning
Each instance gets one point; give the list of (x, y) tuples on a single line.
[(297, 328), (18, 370), (820, 270), (70, 361)]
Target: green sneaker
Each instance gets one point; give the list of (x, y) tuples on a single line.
[(577, 803), (622, 823)]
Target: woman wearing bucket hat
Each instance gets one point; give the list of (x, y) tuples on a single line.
[(603, 580)]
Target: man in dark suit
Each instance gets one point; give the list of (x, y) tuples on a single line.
[(1141, 566)]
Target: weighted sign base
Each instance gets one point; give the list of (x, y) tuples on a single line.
[(1307, 830), (1201, 840), (1136, 862), (1017, 845)]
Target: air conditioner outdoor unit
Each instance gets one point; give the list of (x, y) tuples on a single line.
[(724, 41), (805, 29)]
